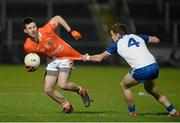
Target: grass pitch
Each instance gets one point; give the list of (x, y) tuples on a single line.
[(22, 98)]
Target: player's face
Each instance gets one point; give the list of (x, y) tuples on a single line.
[(31, 29), (114, 36)]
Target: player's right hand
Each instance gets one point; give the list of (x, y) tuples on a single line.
[(76, 35), (30, 69), (71, 63)]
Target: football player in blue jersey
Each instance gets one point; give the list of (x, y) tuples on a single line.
[(145, 69)]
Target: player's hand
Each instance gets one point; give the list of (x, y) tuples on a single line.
[(71, 63), (30, 69), (75, 34)]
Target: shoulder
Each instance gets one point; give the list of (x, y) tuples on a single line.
[(28, 41), (144, 37), (112, 49), (49, 26), (130, 36), (138, 37), (124, 38), (28, 45)]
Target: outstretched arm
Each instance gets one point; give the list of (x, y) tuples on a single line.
[(59, 20), (97, 57), (153, 39)]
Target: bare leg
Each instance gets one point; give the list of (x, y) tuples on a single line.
[(50, 82), (150, 88), (65, 84), (126, 84)]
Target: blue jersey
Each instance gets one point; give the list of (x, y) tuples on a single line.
[(133, 49)]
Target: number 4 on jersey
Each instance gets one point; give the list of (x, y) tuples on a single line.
[(133, 42)]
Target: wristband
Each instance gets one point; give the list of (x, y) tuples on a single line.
[(70, 30), (88, 57)]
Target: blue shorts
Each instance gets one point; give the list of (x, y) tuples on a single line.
[(146, 73)]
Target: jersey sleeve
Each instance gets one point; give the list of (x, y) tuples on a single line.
[(145, 38), (49, 27), (112, 49), (29, 48)]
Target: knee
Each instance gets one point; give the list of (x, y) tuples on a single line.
[(63, 86), (150, 91), (48, 91), (123, 85)]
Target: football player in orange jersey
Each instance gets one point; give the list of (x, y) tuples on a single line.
[(46, 42)]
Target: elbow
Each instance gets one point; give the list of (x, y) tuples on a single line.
[(156, 39), (58, 16)]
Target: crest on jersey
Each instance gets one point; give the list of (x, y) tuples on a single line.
[(48, 44)]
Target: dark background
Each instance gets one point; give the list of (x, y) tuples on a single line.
[(92, 18)]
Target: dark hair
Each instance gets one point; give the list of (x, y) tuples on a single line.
[(27, 20), (119, 28)]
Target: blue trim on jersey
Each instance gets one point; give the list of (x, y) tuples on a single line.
[(144, 37), (146, 73), (112, 49)]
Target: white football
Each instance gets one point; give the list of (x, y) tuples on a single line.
[(32, 60)]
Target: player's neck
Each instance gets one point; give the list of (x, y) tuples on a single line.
[(36, 38)]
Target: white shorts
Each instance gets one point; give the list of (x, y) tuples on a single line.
[(56, 66)]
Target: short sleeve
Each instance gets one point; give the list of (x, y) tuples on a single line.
[(28, 47), (49, 27), (144, 37), (112, 49)]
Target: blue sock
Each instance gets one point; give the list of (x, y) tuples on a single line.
[(132, 108), (170, 108)]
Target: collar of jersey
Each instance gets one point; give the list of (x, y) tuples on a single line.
[(119, 38)]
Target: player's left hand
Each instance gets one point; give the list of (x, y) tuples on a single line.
[(76, 35)]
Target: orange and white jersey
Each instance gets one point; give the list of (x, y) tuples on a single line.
[(51, 45)]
